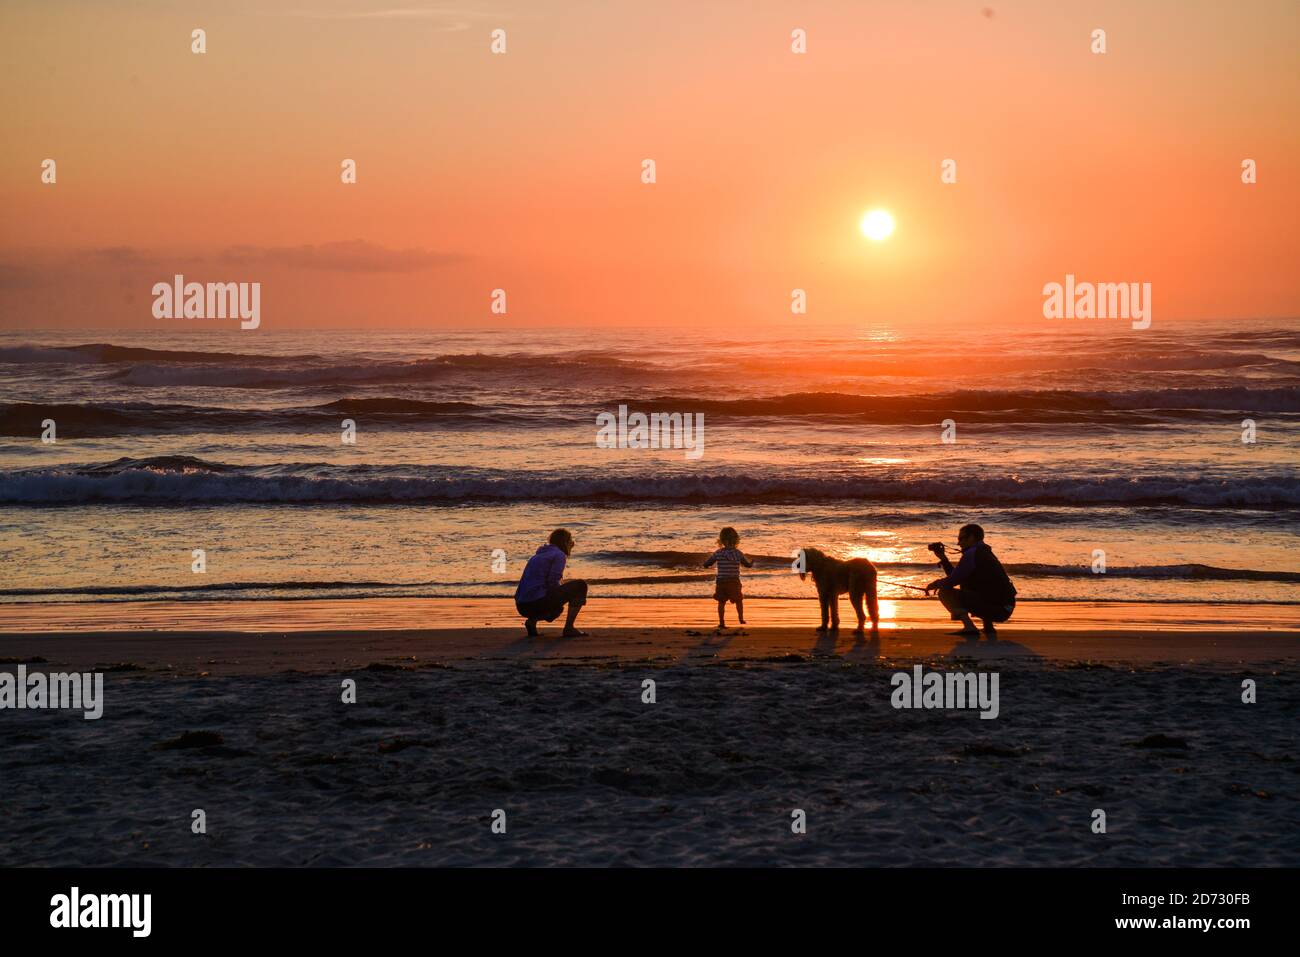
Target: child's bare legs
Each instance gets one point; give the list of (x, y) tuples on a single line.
[(722, 614), (740, 609), (531, 625)]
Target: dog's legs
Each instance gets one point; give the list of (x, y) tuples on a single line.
[(873, 606), (833, 599), (826, 610), (855, 597)]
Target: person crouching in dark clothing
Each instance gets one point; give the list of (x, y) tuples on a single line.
[(978, 585), (542, 595)]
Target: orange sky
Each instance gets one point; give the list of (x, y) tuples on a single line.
[(522, 171)]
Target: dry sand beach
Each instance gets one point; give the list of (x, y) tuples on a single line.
[(1144, 721)]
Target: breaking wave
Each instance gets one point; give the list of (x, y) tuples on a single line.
[(189, 480), (1116, 408)]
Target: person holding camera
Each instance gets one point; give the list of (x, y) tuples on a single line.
[(978, 585)]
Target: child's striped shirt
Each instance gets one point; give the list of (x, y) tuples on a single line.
[(728, 561)]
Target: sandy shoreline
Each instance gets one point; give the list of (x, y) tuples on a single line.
[(452, 724), (343, 635), (239, 653), (407, 614)]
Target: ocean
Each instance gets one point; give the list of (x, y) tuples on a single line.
[(1105, 464)]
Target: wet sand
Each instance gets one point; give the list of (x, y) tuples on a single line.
[(315, 636), (240, 653)]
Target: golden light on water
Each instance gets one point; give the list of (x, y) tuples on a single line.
[(883, 553), (876, 554), (888, 613)]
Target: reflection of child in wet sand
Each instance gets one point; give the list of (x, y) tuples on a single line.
[(728, 558)]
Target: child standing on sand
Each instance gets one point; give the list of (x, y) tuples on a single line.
[(728, 558)]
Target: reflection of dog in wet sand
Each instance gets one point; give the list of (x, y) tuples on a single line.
[(833, 578)]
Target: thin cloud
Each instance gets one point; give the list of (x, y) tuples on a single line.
[(122, 256), (31, 268), (448, 21), (355, 255), (18, 277)]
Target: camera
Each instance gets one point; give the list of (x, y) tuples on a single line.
[(936, 547)]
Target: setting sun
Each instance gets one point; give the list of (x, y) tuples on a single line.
[(877, 225)]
